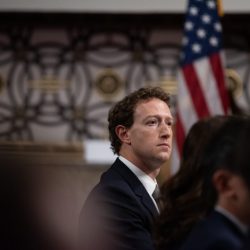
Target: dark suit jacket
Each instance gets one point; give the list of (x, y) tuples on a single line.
[(215, 232), (118, 213), (246, 244)]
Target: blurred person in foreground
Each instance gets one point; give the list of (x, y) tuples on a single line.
[(24, 225), (226, 187), (181, 195), (119, 212)]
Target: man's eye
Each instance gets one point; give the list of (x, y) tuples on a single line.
[(152, 122), (170, 123)]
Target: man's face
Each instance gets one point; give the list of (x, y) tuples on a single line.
[(151, 134)]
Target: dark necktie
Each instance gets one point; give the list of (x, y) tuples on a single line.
[(156, 195)]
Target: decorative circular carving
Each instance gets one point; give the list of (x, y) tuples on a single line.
[(108, 83), (234, 82)]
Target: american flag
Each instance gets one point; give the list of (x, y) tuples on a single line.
[(201, 82)]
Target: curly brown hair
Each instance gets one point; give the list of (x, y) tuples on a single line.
[(183, 204), (122, 113)]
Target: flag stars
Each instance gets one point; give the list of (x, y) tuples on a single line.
[(201, 33), (193, 11), (189, 26), (217, 27), (196, 48), (202, 30), (213, 41), (206, 19), (211, 4)]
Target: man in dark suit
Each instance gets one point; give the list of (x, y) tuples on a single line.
[(227, 187), (119, 211)]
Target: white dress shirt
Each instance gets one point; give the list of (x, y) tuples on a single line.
[(148, 183)]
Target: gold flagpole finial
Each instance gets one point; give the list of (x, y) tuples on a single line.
[(220, 8)]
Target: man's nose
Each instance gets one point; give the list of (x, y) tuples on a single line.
[(166, 130)]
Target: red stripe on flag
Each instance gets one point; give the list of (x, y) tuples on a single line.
[(195, 91), (180, 134), (219, 76)]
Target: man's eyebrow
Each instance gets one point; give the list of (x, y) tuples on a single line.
[(159, 116)]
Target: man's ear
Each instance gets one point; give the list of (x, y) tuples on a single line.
[(223, 182), (122, 132)]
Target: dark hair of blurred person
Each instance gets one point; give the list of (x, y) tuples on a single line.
[(182, 203), (226, 189)]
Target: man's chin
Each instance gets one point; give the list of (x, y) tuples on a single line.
[(164, 158)]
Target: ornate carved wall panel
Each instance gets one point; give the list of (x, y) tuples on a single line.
[(59, 76)]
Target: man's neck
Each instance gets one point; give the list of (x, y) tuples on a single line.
[(139, 164)]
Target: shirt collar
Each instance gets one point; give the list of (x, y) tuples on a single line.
[(146, 180), (243, 228)]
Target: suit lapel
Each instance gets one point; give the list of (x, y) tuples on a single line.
[(135, 185), (146, 200)]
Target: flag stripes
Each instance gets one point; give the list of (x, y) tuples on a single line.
[(201, 82)]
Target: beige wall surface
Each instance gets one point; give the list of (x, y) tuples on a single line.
[(129, 6)]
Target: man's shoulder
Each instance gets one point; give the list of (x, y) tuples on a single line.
[(118, 174), (117, 185), (213, 224), (112, 185), (212, 232)]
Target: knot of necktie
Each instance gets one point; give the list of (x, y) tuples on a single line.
[(156, 193)]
